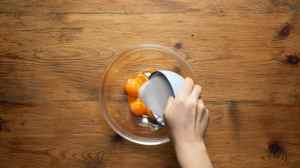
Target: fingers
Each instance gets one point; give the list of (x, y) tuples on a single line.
[(203, 112), (168, 107), (195, 93), (204, 121), (200, 107), (187, 89), (203, 116)]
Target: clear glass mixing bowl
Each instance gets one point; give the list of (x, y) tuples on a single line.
[(113, 100)]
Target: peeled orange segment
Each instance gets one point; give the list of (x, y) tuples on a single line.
[(138, 108), (132, 87), (131, 99), (141, 78)]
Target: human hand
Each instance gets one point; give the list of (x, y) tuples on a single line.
[(186, 114), (187, 118)]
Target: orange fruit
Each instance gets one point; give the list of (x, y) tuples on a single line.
[(131, 99), (141, 78), (138, 108), (132, 87)]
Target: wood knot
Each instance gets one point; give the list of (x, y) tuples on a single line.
[(292, 59), (178, 45), (232, 106), (284, 31), (4, 126), (276, 150)]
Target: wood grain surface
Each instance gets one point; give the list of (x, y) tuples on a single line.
[(245, 54)]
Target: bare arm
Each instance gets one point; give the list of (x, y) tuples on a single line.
[(187, 118)]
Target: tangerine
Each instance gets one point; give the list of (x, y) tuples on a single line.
[(138, 108), (141, 78), (132, 87)]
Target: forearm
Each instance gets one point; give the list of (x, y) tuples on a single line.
[(187, 118), (192, 155)]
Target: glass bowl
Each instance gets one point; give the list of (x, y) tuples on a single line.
[(113, 100)]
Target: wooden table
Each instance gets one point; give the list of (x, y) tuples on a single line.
[(244, 53)]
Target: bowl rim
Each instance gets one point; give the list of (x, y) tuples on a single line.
[(116, 128)]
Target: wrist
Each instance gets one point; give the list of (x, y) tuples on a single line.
[(192, 154), (197, 145), (189, 142)]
